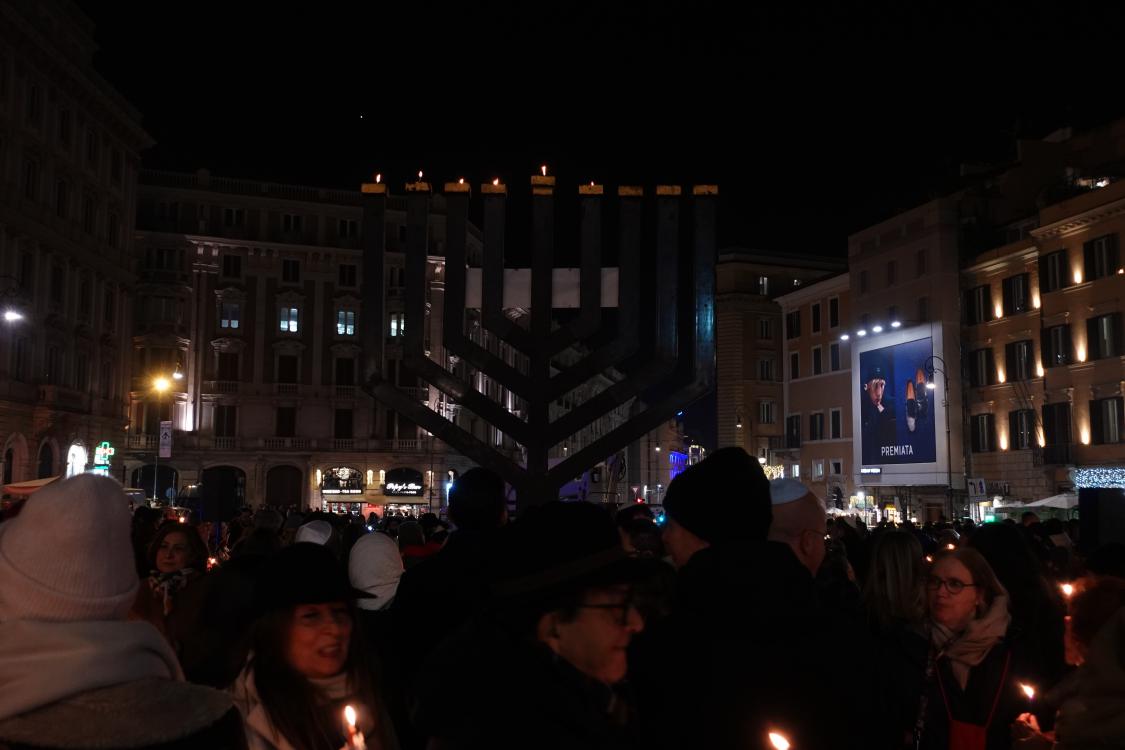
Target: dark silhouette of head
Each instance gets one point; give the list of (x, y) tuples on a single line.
[(476, 501)]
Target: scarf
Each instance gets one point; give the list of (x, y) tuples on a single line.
[(968, 649), (167, 585), (45, 662)]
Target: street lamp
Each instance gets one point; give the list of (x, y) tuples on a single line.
[(930, 368), (160, 384)]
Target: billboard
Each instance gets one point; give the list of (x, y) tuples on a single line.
[(896, 408)]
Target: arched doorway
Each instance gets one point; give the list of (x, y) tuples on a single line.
[(222, 491), (76, 458), (167, 479), (283, 486), (46, 466), (15, 459)]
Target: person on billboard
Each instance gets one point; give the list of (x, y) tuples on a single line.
[(878, 414), (915, 400)]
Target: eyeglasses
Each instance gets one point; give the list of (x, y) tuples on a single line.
[(623, 607), (952, 585)]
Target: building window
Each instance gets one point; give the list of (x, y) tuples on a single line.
[(91, 148), (818, 469), (1016, 294), (291, 223), (228, 366), (345, 322), (287, 368), (398, 324), (347, 228), (1017, 359), (1100, 256), (89, 215), (116, 166), (765, 369), (815, 314), (113, 230), (232, 266), (793, 431), (793, 324), (234, 217), (984, 428), (62, 199), (1021, 429), (766, 412), (794, 366), (1056, 432), (21, 359), (834, 356), (1057, 343), (226, 420), (31, 180), (923, 309), (978, 305), (342, 427), (817, 366), (347, 275), (834, 312), (1107, 420), (891, 273), (816, 426), (1103, 336), (764, 285), (836, 424), (796, 471), (288, 319), (63, 132), (836, 467), (230, 315), (1053, 271), (109, 312), (290, 271), (286, 421), (920, 263), (85, 300), (983, 368), (54, 365), (765, 329), (58, 287), (345, 371)]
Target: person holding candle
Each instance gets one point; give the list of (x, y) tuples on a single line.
[(75, 671), (960, 677), (308, 660)]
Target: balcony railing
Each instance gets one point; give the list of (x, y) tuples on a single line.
[(226, 443), (345, 391), (220, 386), (288, 389), (343, 444), (420, 394)]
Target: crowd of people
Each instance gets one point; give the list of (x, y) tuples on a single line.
[(745, 618)]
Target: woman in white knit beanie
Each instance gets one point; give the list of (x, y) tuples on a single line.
[(67, 581)]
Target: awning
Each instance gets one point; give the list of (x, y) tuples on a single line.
[(23, 489), (1063, 500)]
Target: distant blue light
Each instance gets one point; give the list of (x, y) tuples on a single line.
[(679, 414)]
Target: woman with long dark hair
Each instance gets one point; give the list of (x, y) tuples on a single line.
[(308, 660)]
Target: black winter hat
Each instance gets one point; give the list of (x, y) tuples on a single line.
[(724, 498), (302, 573), (560, 548)]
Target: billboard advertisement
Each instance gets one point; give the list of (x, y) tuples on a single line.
[(896, 408)]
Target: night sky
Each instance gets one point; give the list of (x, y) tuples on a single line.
[(814, 123)]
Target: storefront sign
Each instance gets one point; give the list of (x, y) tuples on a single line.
[(403, 488), (103, 454), (342, 480), (404, 482)]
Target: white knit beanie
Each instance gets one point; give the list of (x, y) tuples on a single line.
[(317, 532), (375, 567), (68, 556)]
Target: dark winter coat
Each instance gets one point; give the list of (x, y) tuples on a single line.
[(485, 690)]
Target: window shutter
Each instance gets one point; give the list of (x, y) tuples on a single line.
[(1009, 297), (1013, 430), (990, 427), (1097, 422), (1093, 344), (1119, 407), (1049, 424), (990, 359), (1067, 351), (1043, 277), (1115, 322), (1088, 260)]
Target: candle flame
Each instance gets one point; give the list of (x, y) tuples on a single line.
[(951, 546), (543, 169), (496, 181), (183, 520), (779, 741), (591, 183), (379, 177), (1067, 589), (419, 175), (929, 558), (1028, 690), (349, 715), (461, 181)]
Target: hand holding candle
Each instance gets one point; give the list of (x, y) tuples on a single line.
[(355, 737), (1029, 691)]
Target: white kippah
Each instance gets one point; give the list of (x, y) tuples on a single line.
[(784, 491)]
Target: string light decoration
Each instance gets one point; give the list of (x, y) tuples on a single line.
[(1100, 476)]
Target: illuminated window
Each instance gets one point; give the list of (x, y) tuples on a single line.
[(288, 319), (345, 322), (230, 315)]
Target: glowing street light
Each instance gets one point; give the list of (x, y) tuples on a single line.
[(844, 337), (779, 741), (161, 384), (1068, 590), (11, 316)]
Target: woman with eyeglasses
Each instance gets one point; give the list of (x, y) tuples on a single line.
[(961, 675)]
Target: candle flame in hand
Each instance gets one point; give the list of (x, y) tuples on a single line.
[(543, 169), (779, 741), (1028, 690), (349, 714), (1067, 589)]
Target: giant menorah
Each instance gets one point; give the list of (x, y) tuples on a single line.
[(662, 338)]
